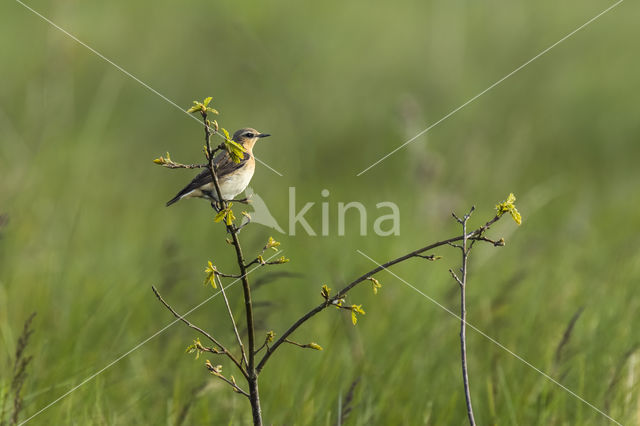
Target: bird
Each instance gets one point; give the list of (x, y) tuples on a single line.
[(233, 178)]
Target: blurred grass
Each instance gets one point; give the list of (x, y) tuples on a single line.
[(338, 85)]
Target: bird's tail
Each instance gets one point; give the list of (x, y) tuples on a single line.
[(174, 199)]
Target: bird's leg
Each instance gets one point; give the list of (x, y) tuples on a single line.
[(245, 200), (217, 206)]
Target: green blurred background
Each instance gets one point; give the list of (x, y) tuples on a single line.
[(339, 84)]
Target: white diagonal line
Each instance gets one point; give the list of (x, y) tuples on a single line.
[(91, 377), (127, 73), (267, 166), (494, 341), (491, 87)]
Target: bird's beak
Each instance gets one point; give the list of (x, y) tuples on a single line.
[(263, 135)]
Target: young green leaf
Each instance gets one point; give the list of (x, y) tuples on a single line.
[(375, 284), (272, 244), (324, 292), (197, 106), (230, 217), (356, 309), (270, 336), (210, 272), (221, 215), (509, 206)]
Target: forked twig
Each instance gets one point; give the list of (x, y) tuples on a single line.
[(223, 350)]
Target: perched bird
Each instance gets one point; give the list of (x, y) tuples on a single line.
[(233, 177)]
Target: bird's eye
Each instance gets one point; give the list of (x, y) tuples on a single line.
[(249, 135)]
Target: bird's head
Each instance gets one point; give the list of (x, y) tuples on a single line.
[(248, 137)]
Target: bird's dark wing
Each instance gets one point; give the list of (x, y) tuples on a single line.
[(224, 166)]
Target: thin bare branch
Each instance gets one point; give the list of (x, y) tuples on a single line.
[(304, 345), (496, 243), (201, 331), (173, 165), (233, 321), (216, 372), (227, 275), (431, 257), (463, 314), (331, 301), (455, 277)]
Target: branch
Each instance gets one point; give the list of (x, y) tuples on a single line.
[(271, 244), (252, 376), (216, 372), (329, 302), (496, 243), (455, 277), (312, 345), (227, 275), (236, 243), (258, 260), (247, 301), (184, 166), (233, 321), (170, 164), (465, 249), (201, 331), (431, 257)]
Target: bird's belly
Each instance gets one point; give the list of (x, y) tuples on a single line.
[(235, 184)]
